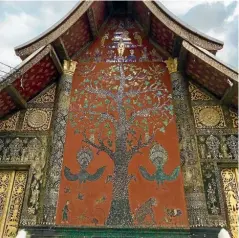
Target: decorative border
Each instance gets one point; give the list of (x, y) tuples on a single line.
[(211, 60), (180, 30), (53, 34)]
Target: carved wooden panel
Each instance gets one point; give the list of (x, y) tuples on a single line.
[(12, 188), (230, 185)]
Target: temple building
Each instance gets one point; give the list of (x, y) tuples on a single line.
[(119, 122)]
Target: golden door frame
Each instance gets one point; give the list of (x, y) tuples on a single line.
[(221, 166), (21, 167)]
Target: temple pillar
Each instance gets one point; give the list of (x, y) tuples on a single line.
[(58, 140), (190, 164)]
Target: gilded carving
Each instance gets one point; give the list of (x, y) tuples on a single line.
[(47, 97), (6, 181), (230, 185), (234, 117), (69, 67), (37, 119), (197, 94), (172, 65), (9, 124), (208, 117), (15, 204), (26, 151)]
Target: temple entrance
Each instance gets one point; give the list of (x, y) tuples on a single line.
[(12, 188)]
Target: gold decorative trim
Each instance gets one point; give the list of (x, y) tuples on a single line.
[(69, 67), (37, 119), (9, 124), (180, 30), (230, 185), (208, 117), (172, 65), (50, 36), (211, 61)]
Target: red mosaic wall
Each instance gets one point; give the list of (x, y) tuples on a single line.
[(77, 36), (121, 163)]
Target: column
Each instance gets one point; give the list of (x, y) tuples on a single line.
[(57, 142), (190, 164)]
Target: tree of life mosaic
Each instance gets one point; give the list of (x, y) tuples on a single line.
[(121, 156)]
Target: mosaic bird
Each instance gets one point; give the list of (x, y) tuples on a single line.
[(159, 156), (173, 212), (84, 157)]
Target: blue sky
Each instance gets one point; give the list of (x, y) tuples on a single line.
[(20, 21)]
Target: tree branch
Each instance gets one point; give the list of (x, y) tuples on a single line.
[(135, 149), (101, 147), (104, 116), (101, 92)]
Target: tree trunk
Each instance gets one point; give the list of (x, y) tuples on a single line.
[(120, 214)]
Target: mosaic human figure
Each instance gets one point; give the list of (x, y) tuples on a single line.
[(65, 212)]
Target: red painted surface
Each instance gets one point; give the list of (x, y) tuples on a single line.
[(6, 103), (89, 203), (36, 78), (77, 35), (206, 75), (162, 34), (100, 13)]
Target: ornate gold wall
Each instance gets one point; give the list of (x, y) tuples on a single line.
[(24, 145)]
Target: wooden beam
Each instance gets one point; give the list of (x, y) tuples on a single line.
[(60, 49), (229, 94), (148, 23), (182, 60), (164, 53), (16, 96), (56, 61), (91, 18), (177, 44)]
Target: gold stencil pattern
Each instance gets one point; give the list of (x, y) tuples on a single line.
[(9, 124), (230, 185), (197, 94), (37, 119), (6, 181), (208, 117), (234, 117), (16, 187), (47, 97)]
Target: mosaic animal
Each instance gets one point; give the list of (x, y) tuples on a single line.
[(159, 156), (84, 157), (144, 210)]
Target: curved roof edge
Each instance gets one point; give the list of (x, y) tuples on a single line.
[(54, 31), (182, 29), (212, 60), (25, 66)]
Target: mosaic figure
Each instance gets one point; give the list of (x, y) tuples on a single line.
[(146, 209), (84, 157), (144, 56), (159, 157), (131, 57), (138, 38), (105, 37), (65, 212), (121, 48)]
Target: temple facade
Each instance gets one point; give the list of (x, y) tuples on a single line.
[(119, 122)]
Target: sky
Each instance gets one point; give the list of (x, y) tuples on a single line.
[(21, 21)]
